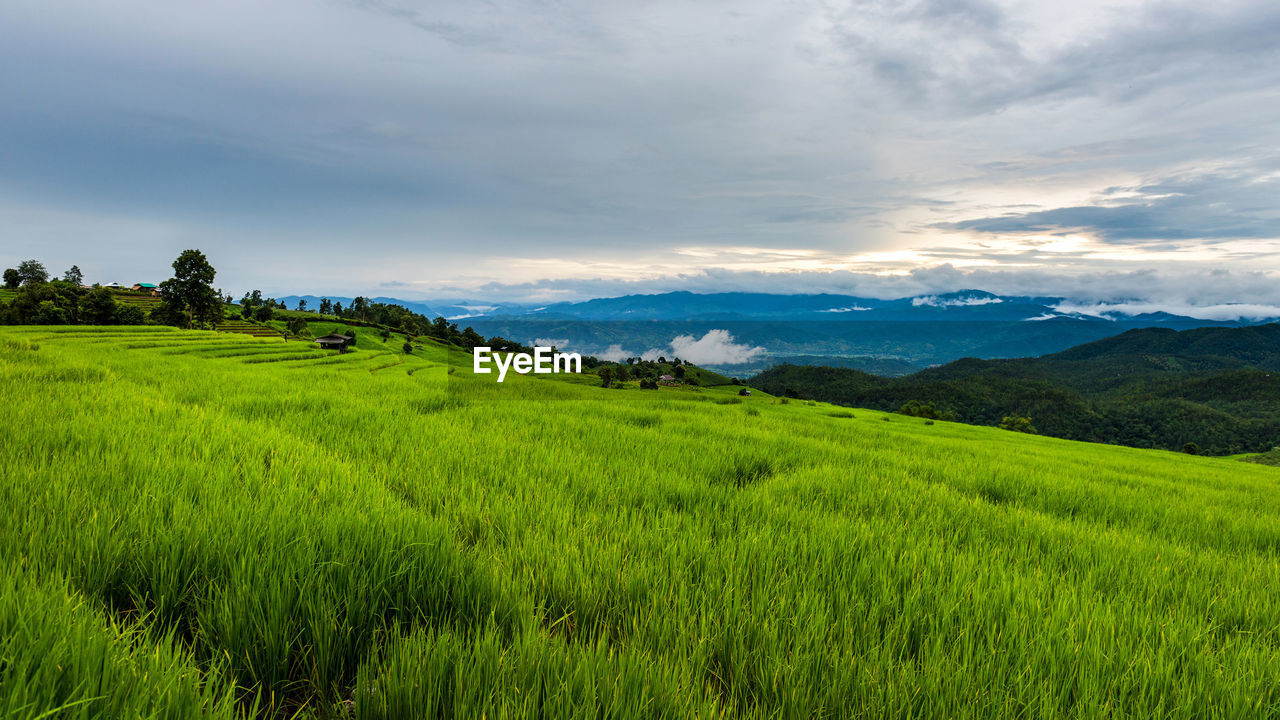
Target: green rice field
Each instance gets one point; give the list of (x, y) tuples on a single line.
[(216, 525)]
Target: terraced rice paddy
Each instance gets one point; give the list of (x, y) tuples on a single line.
[(143, 301), (244, 327), (211, 525)]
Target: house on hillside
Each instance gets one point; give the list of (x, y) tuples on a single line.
[(112, 286), (145, 287), (335, 342)]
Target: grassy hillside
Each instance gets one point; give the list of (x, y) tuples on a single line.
[(219, 525), (1216, 387)]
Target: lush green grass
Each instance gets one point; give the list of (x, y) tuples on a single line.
[(370, 534)]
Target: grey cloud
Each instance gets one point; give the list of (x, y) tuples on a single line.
[(971, 57), (413, 139), (1208, 207)]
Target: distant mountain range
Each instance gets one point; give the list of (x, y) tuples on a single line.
[(912, 332), (1216, 387)]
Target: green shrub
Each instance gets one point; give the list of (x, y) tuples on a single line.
[(1017, 423)]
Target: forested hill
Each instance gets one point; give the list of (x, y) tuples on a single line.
[(1217, 388), (1213, 347)]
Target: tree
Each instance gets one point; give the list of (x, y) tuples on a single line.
[(98, 307), (606, 376), (43, 303), (263, 313), (679, 371), (326, 307), (407, 347), (471, 338), (926, 410), (164, 314), (1017, 423), (11, 278), (1191, 449), (130, 315), (298, 326), (32, 271), (302, 306), (74, 275), (360, 307), (189, 293), (47, 313), (349, 333)]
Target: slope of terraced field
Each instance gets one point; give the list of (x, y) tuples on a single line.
[(207, 524), (144, 301), (244, 327)]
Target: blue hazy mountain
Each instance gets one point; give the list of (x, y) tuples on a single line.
[(913, 332)]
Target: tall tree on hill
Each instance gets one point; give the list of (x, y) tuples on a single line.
[(360, 307), (302, 306), (11, 278), (32, 271), (74, 275), (326, 307), (189, 294)]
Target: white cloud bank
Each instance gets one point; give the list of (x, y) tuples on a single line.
[(715, 348), (934, 301), (1224, 311), (614, 353)]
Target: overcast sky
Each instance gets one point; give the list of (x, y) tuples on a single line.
[(548, 150)]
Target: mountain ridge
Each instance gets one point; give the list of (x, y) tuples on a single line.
[(1218, 388)]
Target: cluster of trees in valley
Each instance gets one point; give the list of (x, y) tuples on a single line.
[(1212, 390), (650, 374), (36, 298)]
